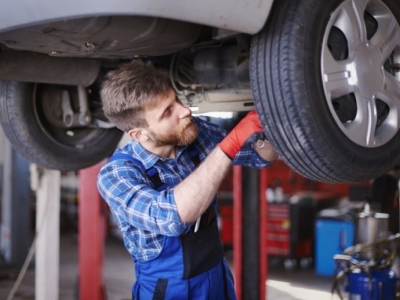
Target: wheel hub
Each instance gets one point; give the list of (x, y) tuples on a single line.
[(367, 58)]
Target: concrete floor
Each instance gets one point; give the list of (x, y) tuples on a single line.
[(119, 275)]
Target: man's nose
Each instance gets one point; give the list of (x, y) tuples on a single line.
[(185, 111)]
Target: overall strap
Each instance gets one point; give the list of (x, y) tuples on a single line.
[(194, 155)]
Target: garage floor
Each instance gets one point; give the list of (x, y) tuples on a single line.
[(118, 276)]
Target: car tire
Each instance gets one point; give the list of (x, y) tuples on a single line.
[(326, 133), (32, 135)]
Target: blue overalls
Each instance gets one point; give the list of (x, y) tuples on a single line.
[(190, 266)]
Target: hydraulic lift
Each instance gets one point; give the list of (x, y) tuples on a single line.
[(92, 233), (249, 243)]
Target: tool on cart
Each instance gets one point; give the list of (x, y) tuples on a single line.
[(366, 267)]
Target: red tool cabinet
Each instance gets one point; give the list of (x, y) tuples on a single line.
[(278, 229), (290, 230)]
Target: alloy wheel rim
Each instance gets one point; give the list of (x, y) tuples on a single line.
[(359, 70)]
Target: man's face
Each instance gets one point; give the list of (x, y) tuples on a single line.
[(171, 123)]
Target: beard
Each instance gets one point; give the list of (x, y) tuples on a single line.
[(180, 135)]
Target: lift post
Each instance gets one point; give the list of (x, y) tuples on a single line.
[(47, 267), (15, 216), (250, 230), (92, 226)]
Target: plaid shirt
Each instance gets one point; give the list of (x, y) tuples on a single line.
[(144, 215)]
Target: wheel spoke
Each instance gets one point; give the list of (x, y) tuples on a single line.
[(387, 36), (350, 21), (391, 92), (391, 96), (337, 75), (362, 129)]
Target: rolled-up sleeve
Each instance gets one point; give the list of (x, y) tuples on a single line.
[(249, 157)]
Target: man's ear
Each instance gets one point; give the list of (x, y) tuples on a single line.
[(138, 134)]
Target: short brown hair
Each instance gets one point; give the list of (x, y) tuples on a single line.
[(129, 90)]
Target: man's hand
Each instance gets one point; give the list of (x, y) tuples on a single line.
[(265, 150), (239, 135)]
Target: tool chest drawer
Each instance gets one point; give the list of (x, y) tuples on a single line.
[(290, 230), (278, 229)]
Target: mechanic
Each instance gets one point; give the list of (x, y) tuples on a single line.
[(161, 187)]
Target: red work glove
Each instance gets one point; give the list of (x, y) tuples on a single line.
[(239, 135)]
